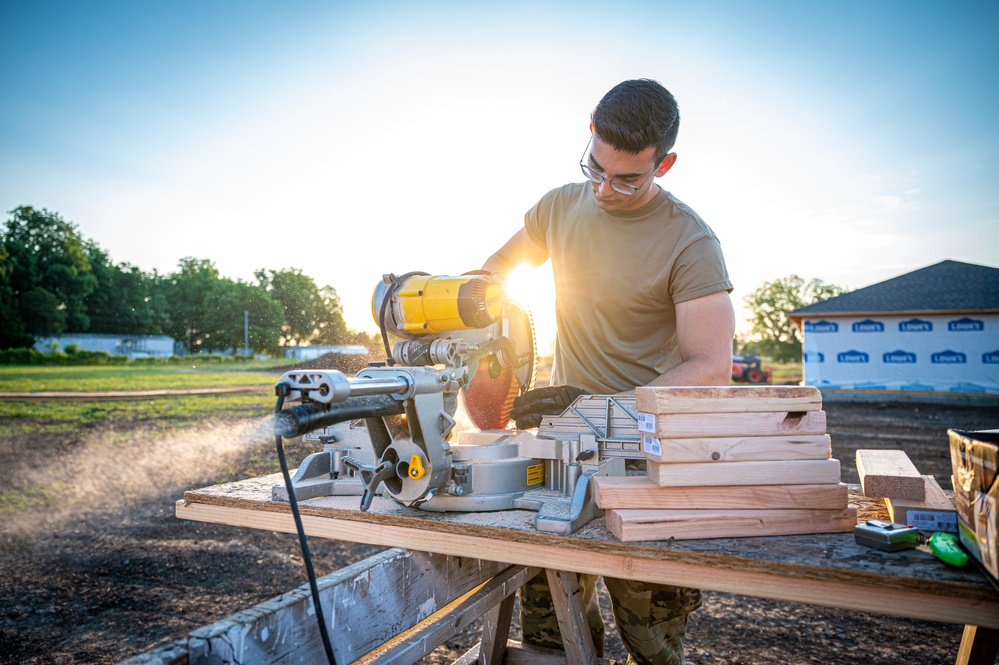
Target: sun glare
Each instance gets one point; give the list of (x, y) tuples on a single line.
[(534, 289)]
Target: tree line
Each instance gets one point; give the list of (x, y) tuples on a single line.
[(53, 280)]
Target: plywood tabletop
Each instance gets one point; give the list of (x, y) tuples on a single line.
[(823, 557)]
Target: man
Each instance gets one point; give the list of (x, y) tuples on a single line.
[(642, 298)]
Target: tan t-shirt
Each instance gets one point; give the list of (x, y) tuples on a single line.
[(618, 276)]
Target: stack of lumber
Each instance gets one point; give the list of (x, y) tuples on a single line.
[(911, 498), (729, 462)]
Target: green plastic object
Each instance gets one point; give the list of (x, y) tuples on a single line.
[(944, 547)]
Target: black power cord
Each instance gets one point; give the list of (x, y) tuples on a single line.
[(306, 557)]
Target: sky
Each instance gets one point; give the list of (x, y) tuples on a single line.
[(848, 141)]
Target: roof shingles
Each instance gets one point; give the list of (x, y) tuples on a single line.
[(946, 286)]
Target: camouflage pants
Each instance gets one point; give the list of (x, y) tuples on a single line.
[(651, 618)]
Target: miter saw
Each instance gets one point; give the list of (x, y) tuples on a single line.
[(392, 428)]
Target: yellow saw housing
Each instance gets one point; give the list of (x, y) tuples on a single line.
[(426, 304)]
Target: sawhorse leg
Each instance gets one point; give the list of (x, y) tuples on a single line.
[(571, 613), (569, 610), (978, 646), (496, 632)]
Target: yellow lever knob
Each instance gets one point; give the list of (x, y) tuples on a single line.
[(416, 469)]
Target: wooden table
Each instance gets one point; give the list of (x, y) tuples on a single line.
[(830, 570)]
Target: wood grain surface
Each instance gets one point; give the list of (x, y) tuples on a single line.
[(638, 492), (830, 570), (727, 399), (889, 473)]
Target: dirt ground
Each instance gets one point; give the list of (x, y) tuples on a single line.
[(113, 573)]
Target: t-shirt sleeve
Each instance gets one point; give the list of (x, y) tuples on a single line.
[(538, 219), (699, 271)]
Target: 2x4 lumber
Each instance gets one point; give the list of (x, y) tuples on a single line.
[(888, 473), (794, 472), (571, 615), (764, 423), (727, 399), (636, 525), (741, 449), (934, 513), (399, 587), (410, 645), (638, 492)]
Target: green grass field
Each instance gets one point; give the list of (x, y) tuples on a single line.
[(93, 378), (52, 417), (67, 417), (93, 437)]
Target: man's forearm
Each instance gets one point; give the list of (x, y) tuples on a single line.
[(705, 327), (696, 371)]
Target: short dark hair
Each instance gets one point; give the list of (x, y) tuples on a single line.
[(636, 114)]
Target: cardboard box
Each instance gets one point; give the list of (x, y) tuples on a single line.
[(974, 457)]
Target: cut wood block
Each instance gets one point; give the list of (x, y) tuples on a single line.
[(934, 513), (803, 472), (888, 473), (727, 399), (638, 492), (738, 448), (632, 525), (707, 425)]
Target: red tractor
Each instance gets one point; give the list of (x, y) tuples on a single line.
[(748, 369)]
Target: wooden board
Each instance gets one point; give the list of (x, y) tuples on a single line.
[(804, 472), (412, 644), (888, 473), (769, 423), (635, 525), (979, 646), (401, 588), (638, 492), (826, 569), (740, 449), (727, 399), (571, 613), (935, 513)]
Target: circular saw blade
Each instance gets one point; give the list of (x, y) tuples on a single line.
[(489, 396)]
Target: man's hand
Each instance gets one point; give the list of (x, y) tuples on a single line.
[(529, 408)]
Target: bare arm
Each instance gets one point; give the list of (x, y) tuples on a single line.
[(704, 330), (518, 249)]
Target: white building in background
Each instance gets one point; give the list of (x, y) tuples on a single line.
[(933, 332), (133, 346), (318, 350)]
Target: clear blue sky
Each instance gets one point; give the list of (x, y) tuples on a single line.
[(849, 141)]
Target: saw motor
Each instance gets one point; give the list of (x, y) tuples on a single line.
[(466, 323)]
